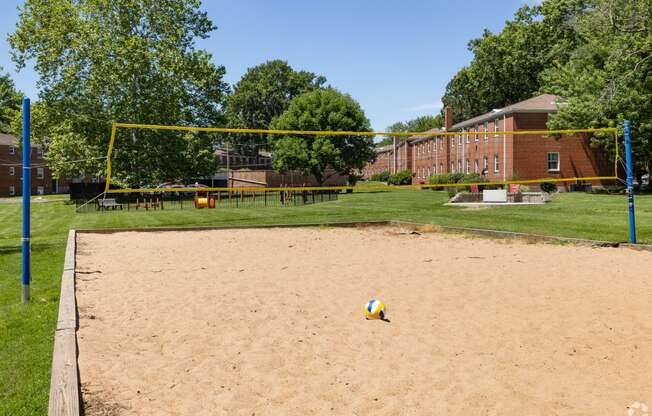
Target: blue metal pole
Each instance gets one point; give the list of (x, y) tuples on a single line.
[(630, 183), (27, 150)]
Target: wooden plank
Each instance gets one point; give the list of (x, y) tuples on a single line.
[(67, 318), (69, 261), (64, 387), (64, 384)]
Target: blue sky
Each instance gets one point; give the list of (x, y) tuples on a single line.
[(394, 57)]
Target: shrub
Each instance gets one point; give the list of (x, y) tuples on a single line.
[(441, 178), (380, 177), (471, 178), (403, 177), (457, 176), (548, 187)]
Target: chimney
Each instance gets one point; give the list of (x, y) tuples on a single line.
[(448, 117)]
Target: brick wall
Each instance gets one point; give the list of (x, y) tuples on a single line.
[(506, 155), (490, 150), (269, 178), (430, 156), (576, 157), (13, 177), (383, 163)]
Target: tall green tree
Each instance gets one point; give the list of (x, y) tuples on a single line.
[(608, 77), (507, 67), (134, 61), (327, 110), (10, 100), (263, 93)]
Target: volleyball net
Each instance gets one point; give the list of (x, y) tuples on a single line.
[(215, 159)]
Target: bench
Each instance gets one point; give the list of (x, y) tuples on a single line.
[(109, 203)]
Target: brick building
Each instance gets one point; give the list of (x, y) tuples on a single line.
[(482, 146), (235, 160), (11, 169)]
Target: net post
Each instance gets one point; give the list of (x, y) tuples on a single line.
[(630, 182), (27, 150), (108, 158)]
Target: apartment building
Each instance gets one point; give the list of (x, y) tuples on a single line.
[(484, 145), (11, 169)]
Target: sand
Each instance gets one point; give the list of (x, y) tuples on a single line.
[(269, 322)]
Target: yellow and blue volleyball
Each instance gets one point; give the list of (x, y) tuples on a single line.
[(374, 309)]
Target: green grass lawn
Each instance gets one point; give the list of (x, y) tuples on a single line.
[(26, 332)]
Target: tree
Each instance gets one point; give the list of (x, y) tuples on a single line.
[(10, 100), (417, 125), (263, 93), (326, 110), (100, 61), (507, 67), (607, 78)]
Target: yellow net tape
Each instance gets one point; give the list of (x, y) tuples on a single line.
[(115, 126)]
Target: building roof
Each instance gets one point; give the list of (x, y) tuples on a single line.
[(383, 149), (544, 103), (8, 140), (419, 138)]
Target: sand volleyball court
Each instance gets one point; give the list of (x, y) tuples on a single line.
[(269, 322)]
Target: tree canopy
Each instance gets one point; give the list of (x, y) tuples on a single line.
[(10, 100), (265, 91), (507, 67), (128, 60), (322, 109), (608, 77), (596, 54)]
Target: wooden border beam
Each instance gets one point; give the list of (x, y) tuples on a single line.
[(65, 396)]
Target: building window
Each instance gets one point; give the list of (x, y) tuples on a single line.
[(486, 130), (459, 166), (496, 164), (40, 190), (468, 135), (468, 166), (12, 171), (441, 168), (475, 166), (553, 161), (477, 129), (452, 167), (12, 190), (485, 163), (39, 173), (12, 150), (39, 152), (497, 126)]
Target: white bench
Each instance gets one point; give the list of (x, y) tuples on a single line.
[(109, 203)]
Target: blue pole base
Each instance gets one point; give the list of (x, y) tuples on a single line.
[(25, 294)]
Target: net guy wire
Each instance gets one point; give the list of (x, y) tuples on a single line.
[(115, 126)]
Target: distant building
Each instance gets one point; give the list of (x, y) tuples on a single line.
[(11, 169), (234, 160), (497, 155)]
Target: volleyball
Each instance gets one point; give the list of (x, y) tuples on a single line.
[(374, 309)]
